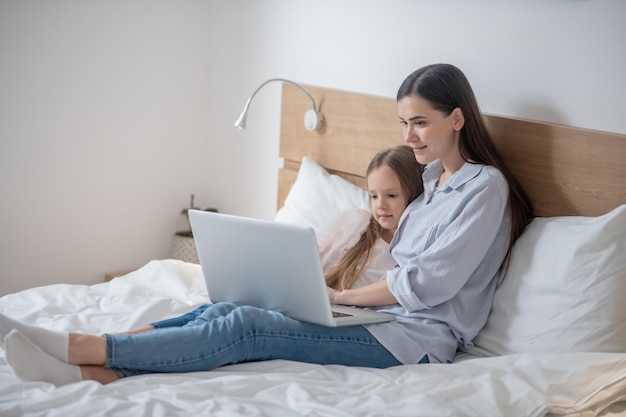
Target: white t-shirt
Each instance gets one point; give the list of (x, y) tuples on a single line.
[(342, 233)]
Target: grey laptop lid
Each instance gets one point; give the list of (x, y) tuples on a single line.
[(272, 265)]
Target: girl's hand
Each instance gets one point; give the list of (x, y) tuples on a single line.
[(333, 295)]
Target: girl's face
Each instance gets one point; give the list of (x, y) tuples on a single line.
[(387, 199), (431, 133)]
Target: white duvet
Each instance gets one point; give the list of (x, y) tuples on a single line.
[(576, 384)]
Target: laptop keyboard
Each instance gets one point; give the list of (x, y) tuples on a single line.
[(338, 314)]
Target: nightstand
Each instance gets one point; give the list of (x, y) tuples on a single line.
[(184, 248)]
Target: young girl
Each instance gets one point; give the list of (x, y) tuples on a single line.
[(357, 252), (450, 244)]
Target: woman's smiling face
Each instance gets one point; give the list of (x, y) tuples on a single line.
[(431, 133)]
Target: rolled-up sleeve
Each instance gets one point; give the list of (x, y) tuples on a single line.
[(400, 286)]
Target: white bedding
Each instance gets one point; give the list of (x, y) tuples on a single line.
[(577, 384)]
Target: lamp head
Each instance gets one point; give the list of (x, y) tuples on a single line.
[(241, 121)]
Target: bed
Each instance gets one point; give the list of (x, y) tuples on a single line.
[(554, 344)]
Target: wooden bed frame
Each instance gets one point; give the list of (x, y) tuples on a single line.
[(566, 171)]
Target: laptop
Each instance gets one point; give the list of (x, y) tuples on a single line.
[(271, 265)]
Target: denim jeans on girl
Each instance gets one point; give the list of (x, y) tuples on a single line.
[(219, 334)]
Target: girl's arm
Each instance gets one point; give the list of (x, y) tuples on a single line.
[(376, 294)]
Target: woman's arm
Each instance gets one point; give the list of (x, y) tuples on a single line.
[(376, 294), (445, 244)]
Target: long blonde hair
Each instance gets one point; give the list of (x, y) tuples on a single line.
[(401, 160)]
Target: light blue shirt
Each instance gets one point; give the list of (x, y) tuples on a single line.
[(449, 245)]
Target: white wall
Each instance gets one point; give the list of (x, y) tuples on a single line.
[(113, 112)]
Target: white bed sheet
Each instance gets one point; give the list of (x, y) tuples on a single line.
[(577, 384)]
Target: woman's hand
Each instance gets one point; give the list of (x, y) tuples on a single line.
[(376, 294)]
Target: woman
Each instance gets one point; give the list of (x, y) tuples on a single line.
[(453, 240), (450, 245)]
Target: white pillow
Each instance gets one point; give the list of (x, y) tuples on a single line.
[(565, 290), (316, 197)]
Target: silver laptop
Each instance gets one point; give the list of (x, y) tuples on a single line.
[(271, 265)]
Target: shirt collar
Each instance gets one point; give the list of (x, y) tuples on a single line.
[(433, 171)]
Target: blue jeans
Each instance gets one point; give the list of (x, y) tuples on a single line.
[(219, 334)]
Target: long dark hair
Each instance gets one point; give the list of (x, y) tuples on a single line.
[(445, 87), (401, 160)]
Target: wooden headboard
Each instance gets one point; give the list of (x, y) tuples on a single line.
[(564, 170)]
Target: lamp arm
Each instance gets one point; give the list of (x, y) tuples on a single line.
[(285, 81), (312, 118)]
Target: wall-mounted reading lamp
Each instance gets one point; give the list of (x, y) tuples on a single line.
[(313, 119)]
